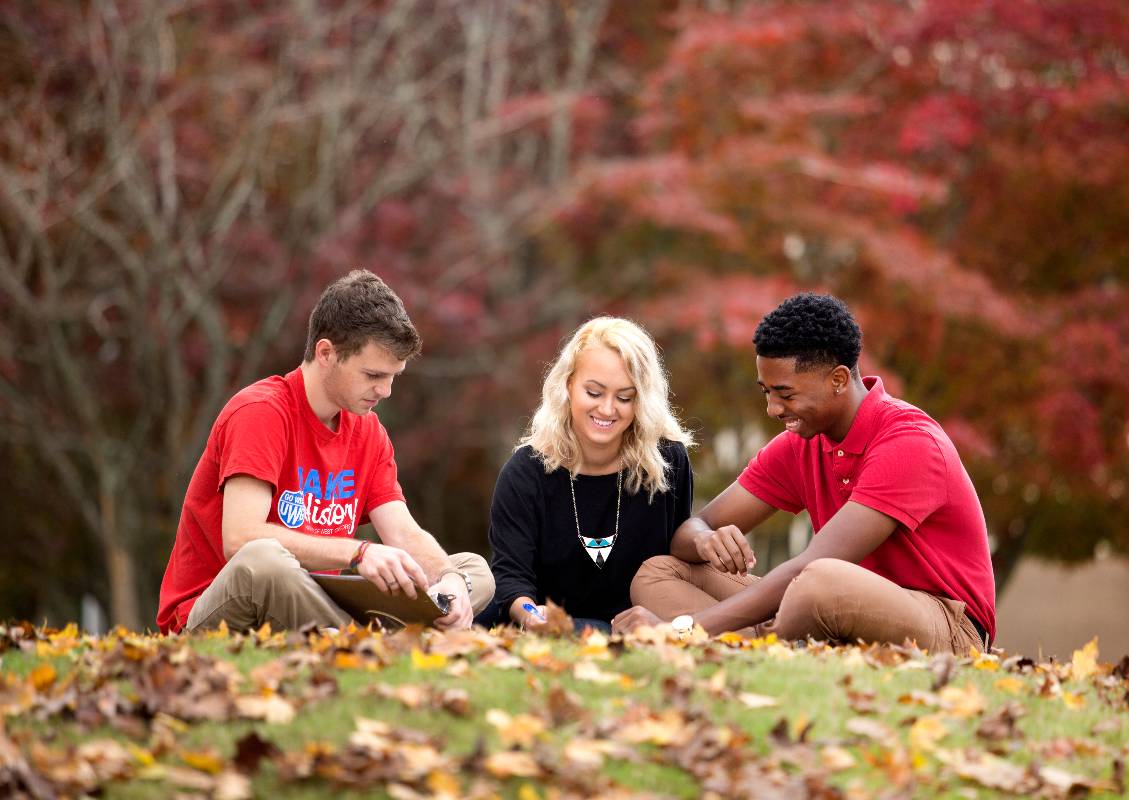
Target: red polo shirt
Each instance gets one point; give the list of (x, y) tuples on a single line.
[(899, 461)]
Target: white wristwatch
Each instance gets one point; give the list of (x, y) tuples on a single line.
[(683, 625)]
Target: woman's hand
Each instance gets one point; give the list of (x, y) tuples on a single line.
[(528, 614)]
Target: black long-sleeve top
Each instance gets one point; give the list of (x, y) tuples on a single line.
[(533, 533)]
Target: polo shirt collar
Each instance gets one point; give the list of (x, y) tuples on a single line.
[(865, 421)]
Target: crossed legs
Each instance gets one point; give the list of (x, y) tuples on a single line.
[(830, 599)]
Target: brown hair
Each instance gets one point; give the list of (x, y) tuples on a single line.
[(358, 309)]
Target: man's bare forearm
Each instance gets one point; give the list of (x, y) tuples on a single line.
[(421, 546), (426, 550), (312, 552), (682, 544), (758, 603)]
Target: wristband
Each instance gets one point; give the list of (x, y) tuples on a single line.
[(359, 556)]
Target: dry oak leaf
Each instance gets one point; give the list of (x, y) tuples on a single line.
[(564, 706), (589, 754), (926, 732), (988, 770), (757, 700), (589, 671), (206, 760), (1001, 724), (1073, 701), (1010, 685), (500, 659), (512, 764), (964, 702), (836, 758), (716, 684), (410, 695), (557, 622), (871, 729), (862, 701), (424, 661), (231, 785), (42, 677), (453, 644), (539, 653), (272, 709), (986, 661), (414, 755), (667, 729), (520, 730), (595, 646), (455, 701), (1085, 661)]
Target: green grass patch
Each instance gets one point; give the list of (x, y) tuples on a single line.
[(476, 714)]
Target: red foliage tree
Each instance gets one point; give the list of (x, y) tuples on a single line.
[(958, 170)]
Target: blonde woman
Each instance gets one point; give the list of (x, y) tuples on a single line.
[(598, 485)]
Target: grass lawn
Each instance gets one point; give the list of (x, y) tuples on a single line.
[(476, 714)]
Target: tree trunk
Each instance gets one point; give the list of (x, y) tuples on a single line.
[(120, 570)]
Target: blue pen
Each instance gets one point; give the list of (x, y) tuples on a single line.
[(534, 610)]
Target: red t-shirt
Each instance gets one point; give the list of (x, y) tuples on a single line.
[(899, 461), (325, 482)]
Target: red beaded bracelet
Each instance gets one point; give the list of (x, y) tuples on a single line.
[(359, 556)]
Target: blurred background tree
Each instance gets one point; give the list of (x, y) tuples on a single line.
[(179, 180)]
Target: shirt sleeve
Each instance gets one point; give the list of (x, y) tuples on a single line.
[(903, 475), (682, 486), (772, 475), (515, 524), (252, 442), (385, 484)]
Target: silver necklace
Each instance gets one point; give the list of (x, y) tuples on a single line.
[(598, 548)]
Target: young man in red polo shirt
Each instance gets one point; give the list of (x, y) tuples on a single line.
[(292, 466), (901, 547)]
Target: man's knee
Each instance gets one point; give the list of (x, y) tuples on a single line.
[(656, 569), (481, 578), (263, 558), (820, 583)]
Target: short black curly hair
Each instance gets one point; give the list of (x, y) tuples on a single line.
[(816, 329)]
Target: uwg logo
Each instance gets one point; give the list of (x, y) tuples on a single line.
[(317, 505)]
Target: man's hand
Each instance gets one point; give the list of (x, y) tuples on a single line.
[(393, 570), (726, 549), (461, 614), (632, 618)]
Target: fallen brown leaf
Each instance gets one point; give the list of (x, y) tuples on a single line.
[(1001, 724), (250, 750)]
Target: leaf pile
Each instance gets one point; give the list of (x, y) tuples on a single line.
[(421, 714)]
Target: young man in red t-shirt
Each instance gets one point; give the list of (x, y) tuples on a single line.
[(292, 465), (901, 546)]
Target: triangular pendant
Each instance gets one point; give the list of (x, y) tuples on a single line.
[(598, 548)]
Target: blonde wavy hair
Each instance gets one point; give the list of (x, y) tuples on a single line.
[(550, 431)]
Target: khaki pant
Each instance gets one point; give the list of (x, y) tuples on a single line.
[(264, 582), (831, 600)]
